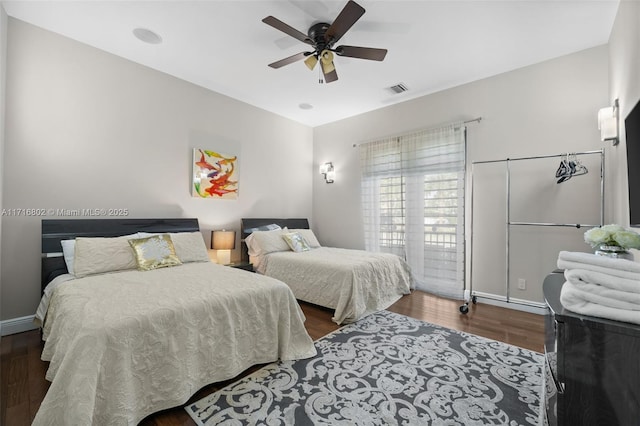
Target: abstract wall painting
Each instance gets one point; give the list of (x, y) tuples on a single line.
[(215, 175)]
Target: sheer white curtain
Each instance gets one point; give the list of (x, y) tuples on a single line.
[(413, 204)]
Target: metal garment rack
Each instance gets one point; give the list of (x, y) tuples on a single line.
[(465, 307)]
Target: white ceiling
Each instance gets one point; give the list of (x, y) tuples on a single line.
[(433, 45)]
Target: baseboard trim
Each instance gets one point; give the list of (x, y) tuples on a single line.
[(17, 325), (517, 304)]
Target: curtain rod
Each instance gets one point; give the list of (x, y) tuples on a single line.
[(474, 120)]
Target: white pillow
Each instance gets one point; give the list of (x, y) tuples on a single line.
[(264, 242), (100, 255), (190, 246), (69, 251), (308, 235)]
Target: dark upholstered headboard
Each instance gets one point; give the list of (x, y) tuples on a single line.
[(56, 230), (247, 224)]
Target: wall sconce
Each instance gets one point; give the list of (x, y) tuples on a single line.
[(328, 171), (608, 123), (223, 241)]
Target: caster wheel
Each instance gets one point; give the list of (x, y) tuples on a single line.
[(464, 309), (474, 299)]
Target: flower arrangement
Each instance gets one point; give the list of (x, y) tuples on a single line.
[(613, 235)]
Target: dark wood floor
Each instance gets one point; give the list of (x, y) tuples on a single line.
[(22, 383)]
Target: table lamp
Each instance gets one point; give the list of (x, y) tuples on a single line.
[(223, 242)]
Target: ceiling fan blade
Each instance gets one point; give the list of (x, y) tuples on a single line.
[(291, 59), (331, 75), (351, 12), (287, 29), (370, 53)]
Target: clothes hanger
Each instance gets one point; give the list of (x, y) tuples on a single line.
[(562, 168), (571, 160), (565, 171), (581, 169), (569, 167)]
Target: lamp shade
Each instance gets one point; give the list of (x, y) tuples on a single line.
[(326, 167), (311, 62), (223, 240), (326, 58), (607, 123)]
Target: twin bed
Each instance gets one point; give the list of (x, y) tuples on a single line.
[(354, 283), (125, 343), (136, 318)]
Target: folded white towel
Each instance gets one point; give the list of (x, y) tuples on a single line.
[(604, 295), (581, 302), (623, 285), (617, 267)]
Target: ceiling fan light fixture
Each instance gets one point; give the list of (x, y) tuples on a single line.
[(323, 36), (326, 58), (311, 62)]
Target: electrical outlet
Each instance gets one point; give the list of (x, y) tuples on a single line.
[(522, 284)]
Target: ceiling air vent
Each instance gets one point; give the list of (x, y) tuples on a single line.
[(398, 88)]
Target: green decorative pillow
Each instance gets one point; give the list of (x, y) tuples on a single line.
[(309, 237), (154, 252), (296, 242)]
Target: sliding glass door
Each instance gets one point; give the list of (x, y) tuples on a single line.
[(413, 204)]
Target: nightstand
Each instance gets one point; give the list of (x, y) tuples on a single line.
[(242, 265)]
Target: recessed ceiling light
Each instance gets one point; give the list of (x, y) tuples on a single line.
[(147, 36), (305, 106)]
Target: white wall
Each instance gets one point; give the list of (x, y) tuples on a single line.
[(624, 84), (547, 108), (3, 73), (75, 112), (86, 129)]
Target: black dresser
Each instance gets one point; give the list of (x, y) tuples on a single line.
[(592, 368)]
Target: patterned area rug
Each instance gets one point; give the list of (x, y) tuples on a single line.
[(387, 369)]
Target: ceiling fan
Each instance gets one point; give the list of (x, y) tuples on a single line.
[(322, 37)]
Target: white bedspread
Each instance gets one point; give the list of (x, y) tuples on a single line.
[(128, 344), (353, 282)]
